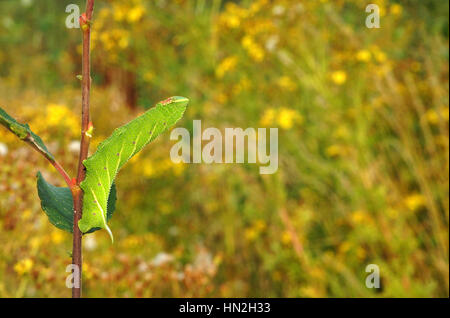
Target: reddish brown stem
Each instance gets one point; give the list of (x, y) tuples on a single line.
[(84, 148), (53, 161), (62, 172)]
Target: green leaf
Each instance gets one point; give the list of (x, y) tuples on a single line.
[(57, 203), (114, 152), (24, 132)]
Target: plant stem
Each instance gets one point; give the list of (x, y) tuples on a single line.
[(84, 147), (53, 161)]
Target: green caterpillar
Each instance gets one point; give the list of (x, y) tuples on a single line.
[(103, 166)]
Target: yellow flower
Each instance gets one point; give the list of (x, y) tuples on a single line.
[(227, 65), (147, 169), (337, 150), (415, 201), (268, 117), (178, 169), (380, 56), (87, 271), (255, 230), (243, 85), (339, 77), (363, 56), (59, 115), (286, 83), (260, 225), (287, 118), (119, 12), (131, 241), (286, 238), (23, 266), (344, 247), (135, 13), (57, 236), (311, 292), (360, 217), (56, 114), (35, 242), (123, 42), (233, 15), (361, 253), (255, 51), (396, 9), (434, 117), (232, 21), (251, 234), (257, 5), (341, 132)]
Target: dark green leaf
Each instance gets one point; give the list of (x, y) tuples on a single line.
[(57, 203)]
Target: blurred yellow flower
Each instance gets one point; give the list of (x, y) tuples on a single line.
[(435, 117), (286, 83), (23, 266), (178, 169), (415, 201), (363, 56), (147, 169), (251, 234), (311, 292), (87, 271), (135, 13), (131, 241), (35, 242), (339, 77), (123, 42), (243, 85), (58, 115), (227, 65), (396, 9), (380, 56), (361, 253), (360, 217), (57, 236), (288, 117), (233, 15), (344, 247), (257, 6), (26, 214), (260, 225), (336, 150), (286, 238), (268, 117), (255, 51), (341, 132)]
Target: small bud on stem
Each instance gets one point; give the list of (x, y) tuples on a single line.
[(84, 22), (90, 130)]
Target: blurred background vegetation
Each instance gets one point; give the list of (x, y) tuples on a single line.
[(363, 132)]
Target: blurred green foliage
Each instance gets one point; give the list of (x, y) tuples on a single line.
[(363, 144)]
